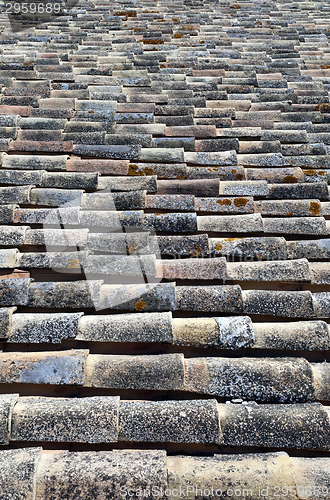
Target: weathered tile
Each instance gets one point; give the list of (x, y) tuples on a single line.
[(209, 298), (19, 194), (63, 215), (195, 421), (19, 472), (35, 162), (7, 214), (230, 223), (213, 158), (56, 197), (132, 200), (255, 248), (279, 270), (106, 473), (264, 379), (79, 420), (76, 238), (106, 167), (225, 472), (37, 328), (57, 368), (170, 222), (150, 297), (14, 291), (70, 180), (311, 249), (148, 327), (295, 225), (183, 246), (194, 269), (232, 205), (299, 190), (296, 335), (6, 314), (279, 303), (73, 295), (223, 332), (7, 403), (126, 266), (243, 188), (147, 183), (151, 372), (196, 187), (321, 303), (171, 202), (281, 426), (289, 208)]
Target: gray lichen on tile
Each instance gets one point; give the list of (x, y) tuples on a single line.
[(195, 421), (80, 420), (149, 372)]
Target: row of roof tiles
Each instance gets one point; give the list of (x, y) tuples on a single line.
[(193, 93), (230, 200), (133, 266), (175, 222), (250, 248), (163, 297), (36, 474), (282, 380), (233, 332), (107, 419)]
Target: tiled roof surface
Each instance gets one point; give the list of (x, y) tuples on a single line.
[(164, 251)]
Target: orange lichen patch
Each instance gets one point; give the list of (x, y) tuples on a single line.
[(133, 248), (140, 305), (289, 214), (177, 35), (261, 256), (240, 202), (324, 107), (131, 13), (314, 208), (218, 246), (309, 173), (153, 42), (133, 170), (312, 172), (239, 177), (197, 252), (290, 179), (234, 171), (73, 264), (175, 19), (325, 66), (224, 202), (232, 239)]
